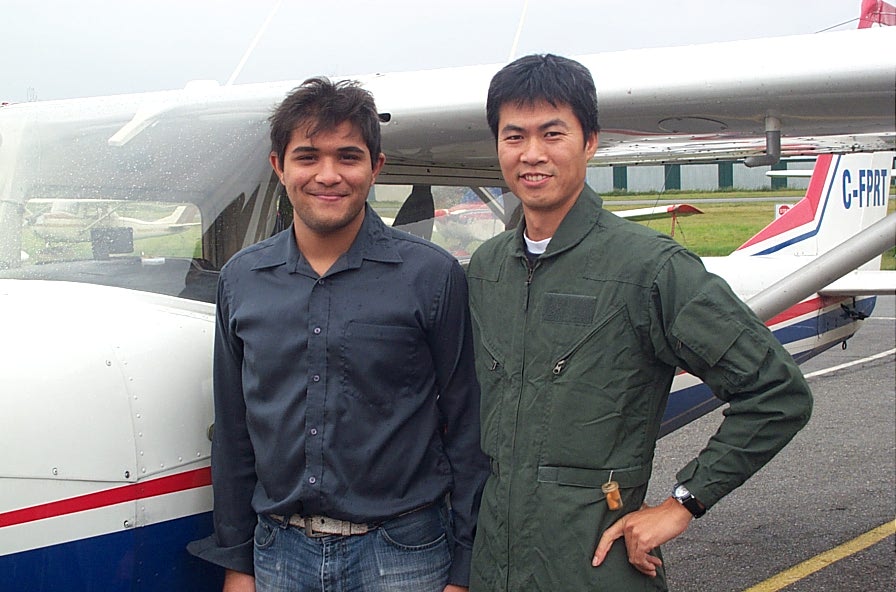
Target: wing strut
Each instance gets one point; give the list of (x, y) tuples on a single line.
[(837, 262)]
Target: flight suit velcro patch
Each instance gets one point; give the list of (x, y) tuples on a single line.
[(568, 308)]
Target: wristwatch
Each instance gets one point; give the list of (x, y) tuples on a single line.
[(686, 499)]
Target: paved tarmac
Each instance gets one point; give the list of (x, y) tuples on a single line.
[(834, 482)]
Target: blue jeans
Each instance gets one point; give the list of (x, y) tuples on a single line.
[(409, 553)]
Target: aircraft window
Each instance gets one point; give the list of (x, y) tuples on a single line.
[(68, 229), (456, 218), (148, 246)]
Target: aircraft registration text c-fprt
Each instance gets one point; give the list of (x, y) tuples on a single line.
[(870, 188)]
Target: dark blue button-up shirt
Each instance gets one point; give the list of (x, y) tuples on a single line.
[(352, 395)]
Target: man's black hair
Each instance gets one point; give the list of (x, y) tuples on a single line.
[(544, 77), (325, 105)]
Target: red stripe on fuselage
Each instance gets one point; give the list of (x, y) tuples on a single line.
[(802, 308), (110, 497)]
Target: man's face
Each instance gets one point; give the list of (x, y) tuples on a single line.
[(327, 177), (543, 154)]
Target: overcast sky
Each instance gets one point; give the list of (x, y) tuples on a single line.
[(52, 49)]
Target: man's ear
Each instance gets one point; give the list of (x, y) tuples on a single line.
[(591, 145), (275, 164), (378, 165)]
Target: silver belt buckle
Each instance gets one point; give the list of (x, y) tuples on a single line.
[(318, 526)]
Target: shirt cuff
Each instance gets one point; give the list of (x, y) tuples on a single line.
[(461, 558), (238, 558)]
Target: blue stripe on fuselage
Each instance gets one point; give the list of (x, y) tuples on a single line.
[(147, 559), (817, 325)]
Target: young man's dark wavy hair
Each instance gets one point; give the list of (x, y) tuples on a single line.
[(326, 104), (544, 77)]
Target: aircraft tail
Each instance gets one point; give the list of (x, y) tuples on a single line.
[(846, 194), (877, 12)]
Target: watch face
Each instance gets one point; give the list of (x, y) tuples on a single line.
[(686, 499)]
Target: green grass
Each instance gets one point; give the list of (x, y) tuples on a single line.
[(720, 229), (692, 195), (723, 227)]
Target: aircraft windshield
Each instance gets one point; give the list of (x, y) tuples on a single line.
[(153, 197), (157, 196)]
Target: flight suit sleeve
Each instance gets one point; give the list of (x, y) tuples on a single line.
[(450, 341), (708, 331), (233, 459)]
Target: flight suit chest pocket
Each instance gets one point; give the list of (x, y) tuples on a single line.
[(587, 346), (599, 394)]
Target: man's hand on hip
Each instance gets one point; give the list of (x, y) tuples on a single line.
[(643, 531)]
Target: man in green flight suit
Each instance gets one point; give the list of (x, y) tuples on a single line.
[(580, 320)]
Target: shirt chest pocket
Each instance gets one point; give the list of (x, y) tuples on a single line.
[(383, 363)]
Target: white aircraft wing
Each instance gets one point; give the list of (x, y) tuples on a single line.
[(827, 92)]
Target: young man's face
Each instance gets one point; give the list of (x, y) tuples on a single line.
[(327, 176), (543, 154)]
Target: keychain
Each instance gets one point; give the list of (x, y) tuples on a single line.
[(611, 490)]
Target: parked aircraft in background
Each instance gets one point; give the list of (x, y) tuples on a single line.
[(105, 353), (73, 221)]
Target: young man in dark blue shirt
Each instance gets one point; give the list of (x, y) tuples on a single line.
[(346, 405)]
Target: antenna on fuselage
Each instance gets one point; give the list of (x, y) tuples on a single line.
[(519, 31), (251, 48)]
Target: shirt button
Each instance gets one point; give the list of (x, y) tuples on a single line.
[(317, 330), (316, 378), (313, 431), (320, 282), (312, 480)]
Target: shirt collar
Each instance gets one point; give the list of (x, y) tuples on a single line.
[(577, 223), (372, 243)]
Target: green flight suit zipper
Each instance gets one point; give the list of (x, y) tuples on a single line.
[(560, 364), (530, 271)]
